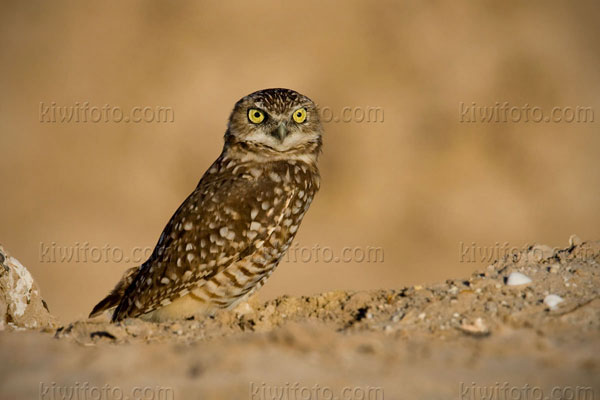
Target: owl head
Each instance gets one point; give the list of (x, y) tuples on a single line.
[(275, 121)]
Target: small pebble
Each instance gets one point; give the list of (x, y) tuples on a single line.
[(574, 240), (176, 328), (540, 252), (478, 328), (553, 300), (517, 278), (491, 307), (243, 309), (398, 316)]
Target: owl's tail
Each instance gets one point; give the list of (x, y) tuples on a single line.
[(114, 297)]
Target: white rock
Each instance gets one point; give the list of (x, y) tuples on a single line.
[(553, 300), (20, 296), (21, 305), (517, 278)]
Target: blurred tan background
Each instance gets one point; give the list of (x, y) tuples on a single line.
[(417, 184)]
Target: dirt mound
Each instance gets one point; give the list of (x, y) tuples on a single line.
[(528, 322)]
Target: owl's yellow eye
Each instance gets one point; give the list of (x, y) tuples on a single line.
[(300, 115), (256, 116)]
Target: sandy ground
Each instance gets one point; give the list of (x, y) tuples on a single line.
[(411, 179), (478, 337)]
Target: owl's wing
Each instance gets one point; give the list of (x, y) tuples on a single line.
[(224, 220)]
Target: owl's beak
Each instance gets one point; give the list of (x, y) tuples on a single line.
[(280, 132)]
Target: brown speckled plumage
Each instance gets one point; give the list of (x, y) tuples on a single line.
[(228, 236)]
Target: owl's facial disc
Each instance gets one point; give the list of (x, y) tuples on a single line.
[(281, 132), (278, 119)]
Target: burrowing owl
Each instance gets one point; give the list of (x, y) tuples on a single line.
[(228, 236)]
